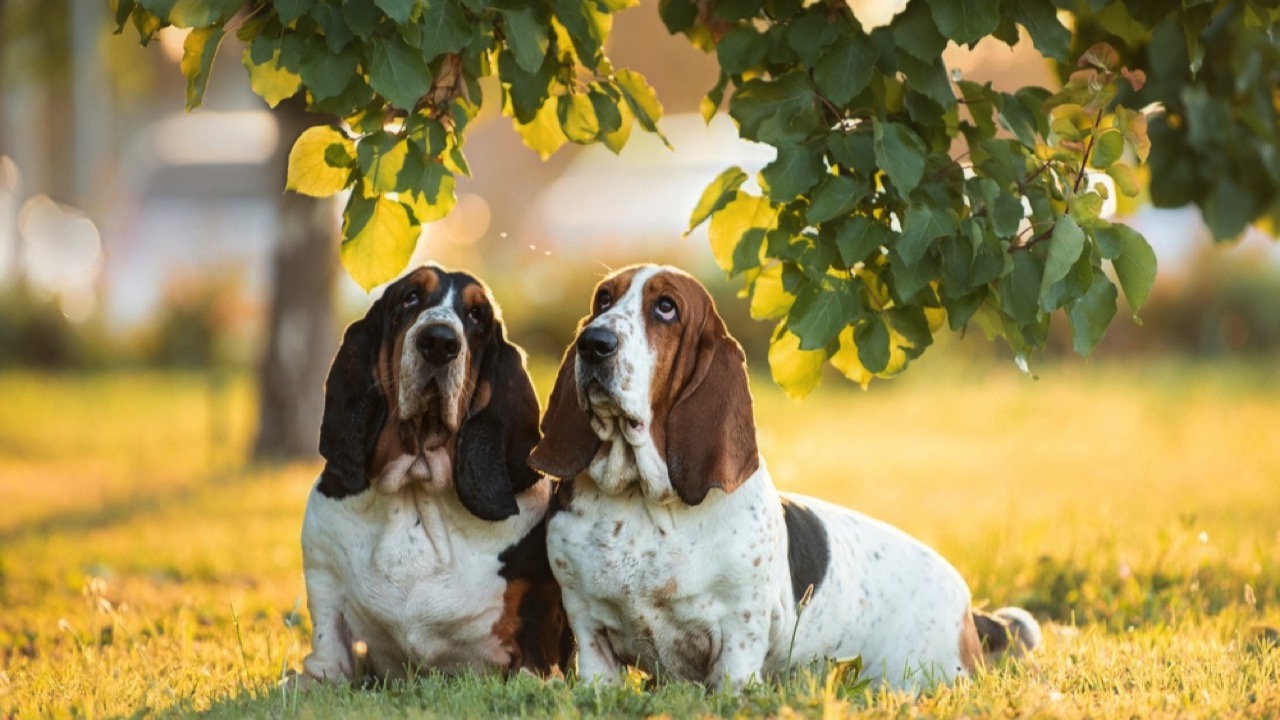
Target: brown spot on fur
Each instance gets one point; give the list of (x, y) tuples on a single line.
[(746, 616), (506, 627), (617, 528), (970, 646), (756, 562), (663, 595)]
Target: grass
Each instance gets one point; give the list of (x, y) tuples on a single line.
[(144, 571)]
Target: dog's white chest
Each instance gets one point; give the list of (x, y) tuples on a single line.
[(665, 586), (412, 585)]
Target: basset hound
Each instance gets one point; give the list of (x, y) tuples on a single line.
[(424, 540), (674, 551)]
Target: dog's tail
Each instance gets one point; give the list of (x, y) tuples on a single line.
[(1009, 631)]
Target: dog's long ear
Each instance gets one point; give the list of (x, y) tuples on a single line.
[(711, 432), (495, 439), (568, 443), (354, 408)]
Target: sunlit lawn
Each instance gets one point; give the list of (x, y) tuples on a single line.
[(1135, 508)]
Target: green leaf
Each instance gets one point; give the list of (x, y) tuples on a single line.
[(1085, 208), (729, 224), (327, 74), (581, 20), (528, 37), (289, 10), (444, 29), (434, 197), (193, 13), (124, 8), (796, 371), (835, 196), (853, 151), (1125, 178), (915, 33), (922, 225), (872, 338), (398, 72), (809, 36), (378, 238), (269, 79), (845, 70), (678, 15), (1020, 289), (965, 21), (642, 100), (198, 51), (578, 118), (362, 17), (333, 24), (310, 170), (718, 194), (1040, 18), (1108, 147), (858, 237), (543, 133), (794, 172), (901, 153), (397, 10), (782, 111), (1091, 314), (1065, 245), (741, 49), (929, 79), (382, 157), (1006, 215), (1135, 265), (527, 92), (820, 312), (1070, 288)]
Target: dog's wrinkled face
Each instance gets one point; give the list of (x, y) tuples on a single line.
[(438, 324), (426, 389), (653, 391)]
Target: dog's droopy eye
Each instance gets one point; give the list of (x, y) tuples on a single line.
[(478, 314), (604, 299), (665, 310), (411, 300)]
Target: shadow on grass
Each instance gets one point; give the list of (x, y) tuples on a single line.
[(126, 509)]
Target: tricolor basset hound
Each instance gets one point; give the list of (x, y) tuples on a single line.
[(674, 551), (424, 537)]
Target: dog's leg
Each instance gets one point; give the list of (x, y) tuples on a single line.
[(739, 651), (331, 658), (596, 659)]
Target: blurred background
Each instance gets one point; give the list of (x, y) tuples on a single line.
[(136, 235)]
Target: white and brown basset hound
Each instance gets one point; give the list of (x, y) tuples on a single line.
[(424, 537), (674, 551)]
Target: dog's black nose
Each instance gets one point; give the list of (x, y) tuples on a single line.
[(595, 344), (438, 344)]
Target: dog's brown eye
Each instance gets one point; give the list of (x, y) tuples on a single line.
[(666, 310), (604, 299), (411, 300), (477, 314)]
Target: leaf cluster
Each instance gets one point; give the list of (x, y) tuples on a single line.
[(903, 198), (402, 77), (1214, 69)]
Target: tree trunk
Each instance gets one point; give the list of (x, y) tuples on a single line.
[(301, 337)]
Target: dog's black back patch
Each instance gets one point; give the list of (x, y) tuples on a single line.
[(808, 552)]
